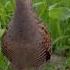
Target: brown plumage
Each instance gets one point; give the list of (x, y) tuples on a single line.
[(26, 43)]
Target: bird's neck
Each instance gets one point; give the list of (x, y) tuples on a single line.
[(23, 20), (23, 9)]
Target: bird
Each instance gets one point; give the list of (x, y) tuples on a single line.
[(26, 42)]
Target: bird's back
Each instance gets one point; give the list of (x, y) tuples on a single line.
[(27, 49)]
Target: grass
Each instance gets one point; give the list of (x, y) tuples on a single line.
[(56, 15)]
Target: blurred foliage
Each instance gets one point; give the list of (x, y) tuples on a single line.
[(55, 14)]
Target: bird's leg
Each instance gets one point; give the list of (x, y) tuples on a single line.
[(14, 67), (36, 68)]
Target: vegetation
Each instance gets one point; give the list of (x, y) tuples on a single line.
[(56, 15)]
